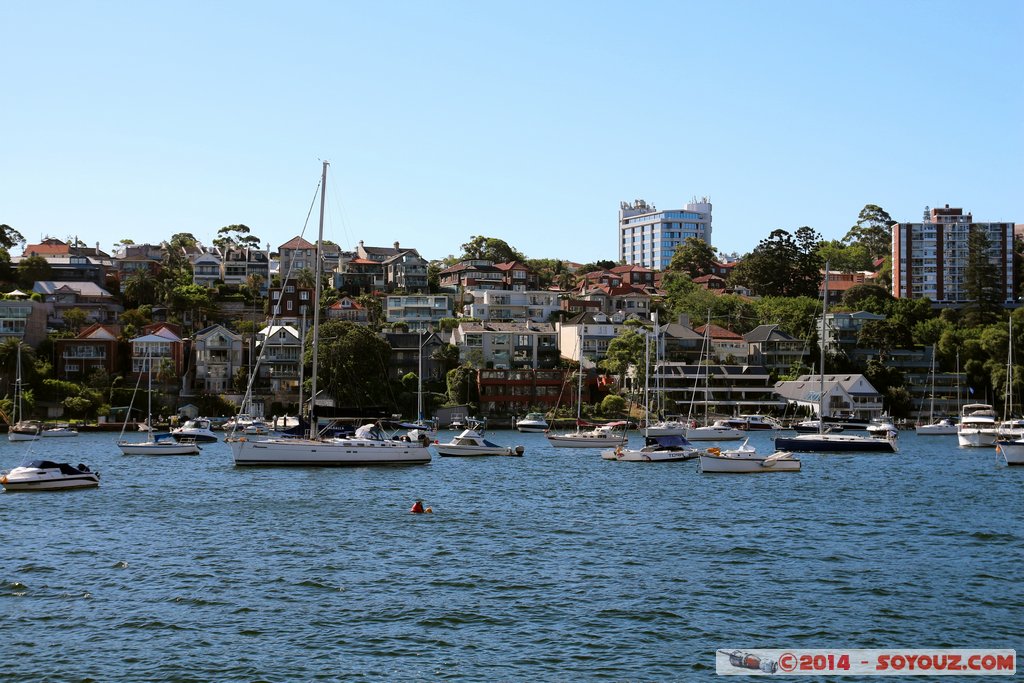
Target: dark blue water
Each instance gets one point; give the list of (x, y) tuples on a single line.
[(554, 566)]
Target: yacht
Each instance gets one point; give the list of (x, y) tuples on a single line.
[(533, 422), (61, 431), (719, 430), (746, 460), (977, 428), (45, 475), (197, 429), (471, 442), (754, 423)]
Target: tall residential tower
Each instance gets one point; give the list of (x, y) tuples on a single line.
[(648, 237), (930, 258)]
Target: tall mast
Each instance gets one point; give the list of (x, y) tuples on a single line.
[(313, 430), (821, 363), (419, 380)]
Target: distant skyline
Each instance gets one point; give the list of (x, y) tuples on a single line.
[(527, 122)]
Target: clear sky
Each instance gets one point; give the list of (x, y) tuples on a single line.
[(528, 121)]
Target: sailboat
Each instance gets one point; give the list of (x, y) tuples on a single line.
[(166, 445), (719, 430), (22, 429), (824, 441), (599, 435), (659, 426), (943, 425), (1012, 449), (368, 447)]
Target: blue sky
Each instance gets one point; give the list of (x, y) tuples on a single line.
[(527, 121)]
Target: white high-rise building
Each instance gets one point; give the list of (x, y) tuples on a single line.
[(929, 259), (648, 237)]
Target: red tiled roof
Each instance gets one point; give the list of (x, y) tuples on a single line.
[(297, 243), (718, 332)]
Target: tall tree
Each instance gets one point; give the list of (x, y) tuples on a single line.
[(490, 249), (31, 270), (353, 364), (237, 235), (982, 282), (873, 230), (9, 237), (783, 264), (140, 288), (695, 257)]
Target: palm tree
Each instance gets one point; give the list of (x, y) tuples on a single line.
[(140, 287)]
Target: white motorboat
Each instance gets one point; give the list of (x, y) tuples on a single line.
[(45, 475), (533, 422), (883, 427), (719, 430), (598, 436), (471, 442), (746, 460), (940, 427), (197, 429), (57, 432), (977, 428), (668, 448), (1011, 450)]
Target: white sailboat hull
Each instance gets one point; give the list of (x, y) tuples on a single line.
[(583, 440), (22, 436), (630, 455), (936, 430), (327, 452), (713, 434), (158, 448), (748, 463)]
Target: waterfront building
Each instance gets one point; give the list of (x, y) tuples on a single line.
[(507, 345), (281, 349), (511, 392), (592, 331), (161, 343), (290, 302), (847, 394), (218, 354), (842, 329), (95, 348), (648, 237), (510, 305), (930, 258), (421, 312), (23, 319), (97, 303), (771, 347), (724, 389)]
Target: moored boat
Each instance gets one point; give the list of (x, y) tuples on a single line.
[(719, 430), (197, 429), (598, 436), (533, 422), (46, 475), (977, 428), (471, 442), (746, 460), (1011, 450), (57, 432), (667, 448)]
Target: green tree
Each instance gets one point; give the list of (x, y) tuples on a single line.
[(490, 249), (982, 282), (695, 257), (140, 288), (9, 237), (235, 236), (626, 351), (867, 297), (873, 231), (74, 319), (795, 316), (304, 277), (846, 258), (193, 299), (783, 264), (31, 270), (462, 388), (374, 309), (613, 405), (884, 335), (353, 364)]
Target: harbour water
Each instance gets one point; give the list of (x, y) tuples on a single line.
[(554, 566)]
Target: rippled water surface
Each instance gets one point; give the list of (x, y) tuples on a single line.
[(553, 566)]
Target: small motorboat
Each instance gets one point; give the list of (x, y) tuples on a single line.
[(533, 422), (471, 442), (883, 427), (60, 431), (668, 448), (197, 429), (746, 460), (45, 475)]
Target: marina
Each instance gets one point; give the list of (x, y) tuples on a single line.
[(525, 567)]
